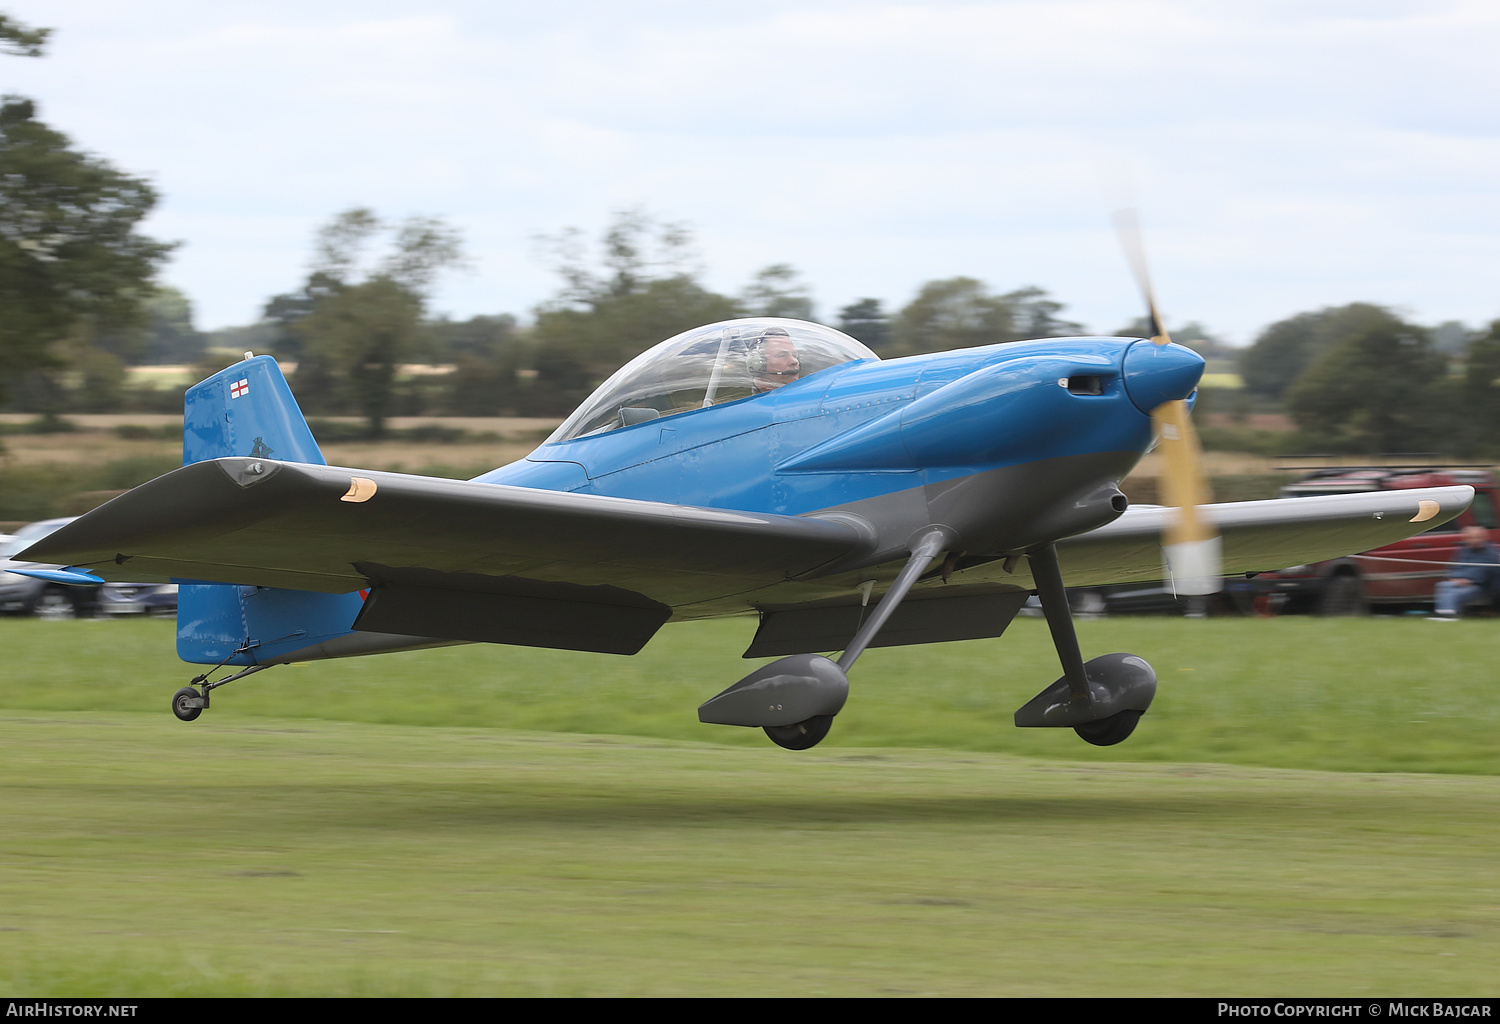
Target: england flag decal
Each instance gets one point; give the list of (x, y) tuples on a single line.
[(240, 388)]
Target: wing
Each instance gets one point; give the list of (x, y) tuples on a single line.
[(1262, 535), (323, 528), (981, 597)]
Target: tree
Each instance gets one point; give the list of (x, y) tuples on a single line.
[(355, 321), (957, 312), (1375, 390), (359, 336), (1452, 337), (70, 257), (866, 321), (1288, 347), (1035, 315), (166, 333), (21, 40), (101, 380), (1478, 426), (960, 312), (170, 334), (636, 249), (488, 354), (1283, 350), (647, 293), (480, 336), (778, 290), (283, 313)]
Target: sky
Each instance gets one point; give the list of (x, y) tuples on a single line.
[(1286, 155)]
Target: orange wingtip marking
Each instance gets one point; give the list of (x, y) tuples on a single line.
[(1426, 509), (360, 489)]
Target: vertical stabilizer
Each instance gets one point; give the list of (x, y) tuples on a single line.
[(246, 410)]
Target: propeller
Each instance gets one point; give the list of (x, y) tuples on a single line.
[(1190, 544)]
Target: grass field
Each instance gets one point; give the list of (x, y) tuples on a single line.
[(1377, 695), (1310, 808)]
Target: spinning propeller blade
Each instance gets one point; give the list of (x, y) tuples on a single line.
[(1191, 546)]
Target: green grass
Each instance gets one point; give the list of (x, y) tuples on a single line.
[(286, 857), (1381, 694), (497, 821)]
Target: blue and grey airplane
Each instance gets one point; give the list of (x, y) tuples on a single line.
[(758, 467)]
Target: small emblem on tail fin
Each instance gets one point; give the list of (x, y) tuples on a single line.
[(223, 415)]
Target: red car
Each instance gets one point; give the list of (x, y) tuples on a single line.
[(1400, 575)]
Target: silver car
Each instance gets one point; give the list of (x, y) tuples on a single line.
[(25, 595)]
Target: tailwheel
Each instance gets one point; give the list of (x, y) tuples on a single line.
[(802, 735), (1106, 732), (187, 704)]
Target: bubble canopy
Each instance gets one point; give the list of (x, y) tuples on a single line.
[(729, 361)]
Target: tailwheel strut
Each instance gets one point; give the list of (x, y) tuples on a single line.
[(188, 703)]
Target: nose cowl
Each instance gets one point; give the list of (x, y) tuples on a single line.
[(1160, 373)]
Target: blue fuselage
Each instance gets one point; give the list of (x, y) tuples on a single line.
[(872, 428)]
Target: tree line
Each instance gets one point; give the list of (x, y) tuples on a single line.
[(1360, 378)]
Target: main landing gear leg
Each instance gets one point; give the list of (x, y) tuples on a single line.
[(1102, 700), (794, 699), (188, 703)]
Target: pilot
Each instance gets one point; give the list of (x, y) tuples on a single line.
[(772, 360)]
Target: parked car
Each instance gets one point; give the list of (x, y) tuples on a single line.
[(1399, 575), (157, 599), (26, 595), (1158, 598)]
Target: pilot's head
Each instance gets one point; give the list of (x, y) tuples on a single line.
[(772, 360)]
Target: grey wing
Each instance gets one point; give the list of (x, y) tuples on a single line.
[(979, 599), (1262, 535), (324, 528)]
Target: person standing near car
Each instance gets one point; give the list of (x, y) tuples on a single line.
[(1473, 574)]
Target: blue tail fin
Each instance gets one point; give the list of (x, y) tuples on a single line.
[(248, 410)]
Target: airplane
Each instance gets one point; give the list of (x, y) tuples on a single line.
[(755, 467)]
